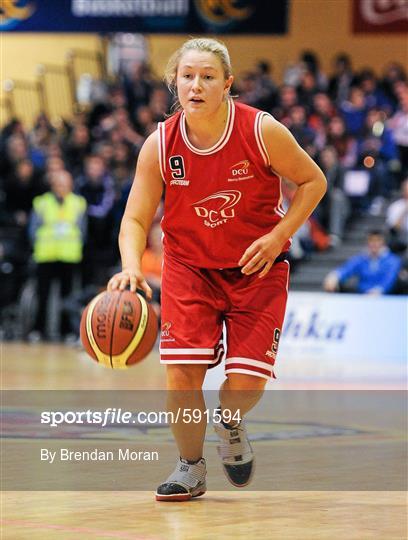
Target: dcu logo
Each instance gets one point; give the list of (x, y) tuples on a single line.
[(12, 12), (218, 208), (165, 331), (240, 171)]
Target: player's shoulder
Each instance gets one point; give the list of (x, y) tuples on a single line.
[(272, 127), (242, 110), (152, 140), (150, 149)]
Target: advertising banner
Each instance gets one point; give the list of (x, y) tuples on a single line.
[(375, 16), (145, 16), (344, 335)]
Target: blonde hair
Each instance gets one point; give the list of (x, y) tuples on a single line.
[(196, 44)]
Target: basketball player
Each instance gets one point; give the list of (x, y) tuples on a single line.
[(226, 239)]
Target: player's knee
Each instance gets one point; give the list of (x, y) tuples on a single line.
[(185, 377), (240, 381)]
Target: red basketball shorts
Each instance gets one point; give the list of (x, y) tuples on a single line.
[(195, 304)]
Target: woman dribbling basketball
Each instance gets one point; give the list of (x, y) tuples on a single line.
[(226, 239)]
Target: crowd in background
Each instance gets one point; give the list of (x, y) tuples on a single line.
[(352, 122)]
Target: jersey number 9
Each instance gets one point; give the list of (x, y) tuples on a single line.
[(177, 167)]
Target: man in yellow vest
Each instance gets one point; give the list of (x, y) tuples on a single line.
[(57, 230)]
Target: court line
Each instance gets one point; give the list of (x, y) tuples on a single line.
[(79, 530)]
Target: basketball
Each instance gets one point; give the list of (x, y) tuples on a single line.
[(118, 329)]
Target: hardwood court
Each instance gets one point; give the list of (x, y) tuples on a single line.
[(216, 515)]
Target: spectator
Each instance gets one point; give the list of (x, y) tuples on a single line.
[(322, 112), (14, 127), (308, 62), (54, 150), (20, 189), (123, 156), (393, 73), (144, 121), (16, 149), (42, 134), (138, 84), (77, 148), (159, 103), (374, 96), (299, 128), (266, 87), (334, 209), (57, 228), (312, 63), (377, 140), (248, 89), (97, 187), (375, 270), (104, 149), (364, 184), (354, 111), (127, 132), (307, 89), (397, 221), (399, 127), (52, 165), (287, 99), (345, 144), (340, 81)]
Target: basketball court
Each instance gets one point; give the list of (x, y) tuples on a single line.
[(263, 514)]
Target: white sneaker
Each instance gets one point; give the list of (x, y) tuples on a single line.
[(236, 454), (187, 481)]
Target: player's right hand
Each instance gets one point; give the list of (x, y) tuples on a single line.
[(134, 278)]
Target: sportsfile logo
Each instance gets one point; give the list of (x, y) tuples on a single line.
[(240, 171), (218, 208)]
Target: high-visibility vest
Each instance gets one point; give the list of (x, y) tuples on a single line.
[(58, 239)]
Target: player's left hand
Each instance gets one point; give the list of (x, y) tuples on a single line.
[(261, 254)]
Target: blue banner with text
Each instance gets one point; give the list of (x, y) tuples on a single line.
[(145, 16)]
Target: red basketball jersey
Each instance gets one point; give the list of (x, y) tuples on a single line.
[(218, 200)]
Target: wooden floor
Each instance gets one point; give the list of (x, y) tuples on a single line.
[(136, 515)]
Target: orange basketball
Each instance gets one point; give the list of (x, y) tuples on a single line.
[(118, 329)]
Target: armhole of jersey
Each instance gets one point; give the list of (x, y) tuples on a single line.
[(262, 150), (162, 149), (259, 139), (279, 208)]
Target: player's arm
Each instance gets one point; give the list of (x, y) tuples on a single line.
[(290, 161), (142, 204)]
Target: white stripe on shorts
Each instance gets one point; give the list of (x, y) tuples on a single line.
[(192, 362), (186, 351), (249, 362), (249, 372)]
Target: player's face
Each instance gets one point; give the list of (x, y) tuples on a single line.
[(201, 83)]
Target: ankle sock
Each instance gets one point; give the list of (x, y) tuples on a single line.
[(189, 461), (227, 426)]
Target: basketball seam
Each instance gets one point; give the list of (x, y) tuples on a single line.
[(133, 346), (140, 319), (113, 328)]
